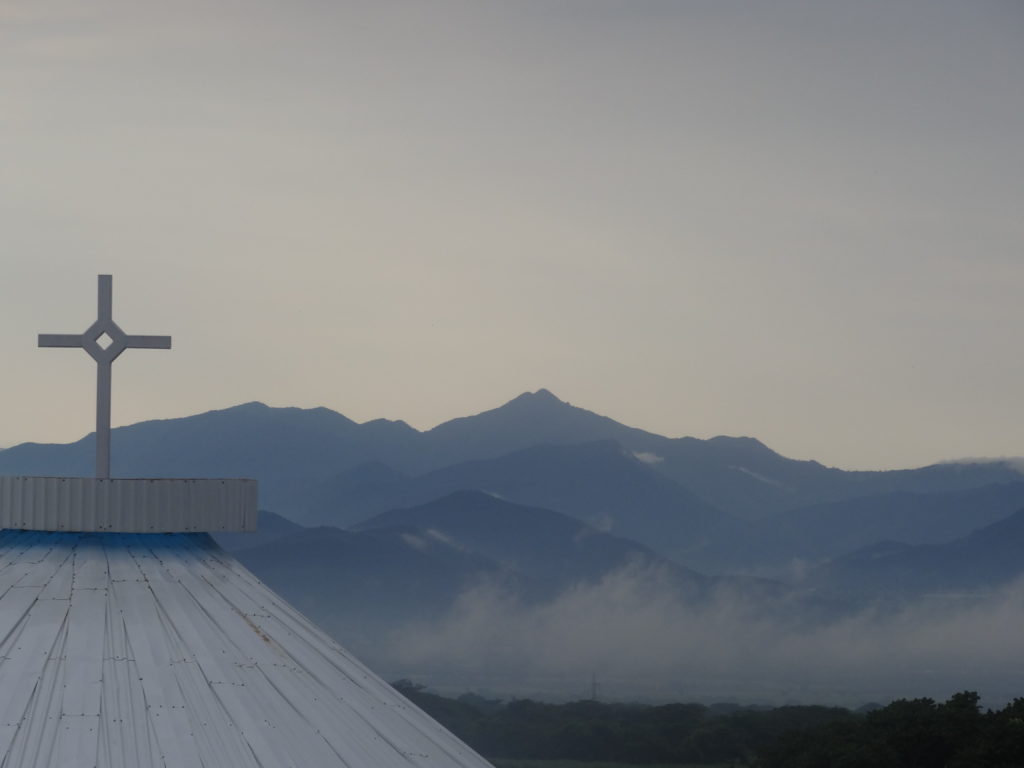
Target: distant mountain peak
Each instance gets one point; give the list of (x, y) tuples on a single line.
[(540, 396), (252, 405), (546, 394)]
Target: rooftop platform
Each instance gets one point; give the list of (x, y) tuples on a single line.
[(127, 505)]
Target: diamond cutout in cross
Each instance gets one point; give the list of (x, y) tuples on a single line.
[(104, 341)]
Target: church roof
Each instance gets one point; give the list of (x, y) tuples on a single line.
[(140, 649), (129, 639)]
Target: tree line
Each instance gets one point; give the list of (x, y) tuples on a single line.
[(918, 733)]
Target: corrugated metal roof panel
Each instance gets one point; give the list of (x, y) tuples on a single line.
[(135, 650)]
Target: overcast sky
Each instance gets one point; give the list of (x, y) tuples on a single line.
[(799, 221)]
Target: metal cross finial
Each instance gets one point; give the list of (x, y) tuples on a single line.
[(104, 341)]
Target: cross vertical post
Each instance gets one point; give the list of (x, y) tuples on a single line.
[(103, 420), (104, 341), (104, 313)]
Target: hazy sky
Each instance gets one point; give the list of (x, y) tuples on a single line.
[(800, 221)]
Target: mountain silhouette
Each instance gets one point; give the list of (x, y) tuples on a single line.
[(985, 559), (532, 418), (817, 533), (600, 483), (316, 465), (551, 550)]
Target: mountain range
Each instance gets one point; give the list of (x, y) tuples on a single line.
[(982, 561), (296, 452), (726, 505)]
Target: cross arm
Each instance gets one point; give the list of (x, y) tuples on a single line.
[(148, 342), (60, 339)]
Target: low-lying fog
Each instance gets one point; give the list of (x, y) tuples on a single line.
[(640, 642)]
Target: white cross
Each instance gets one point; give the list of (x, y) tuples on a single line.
[(104, 341)]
